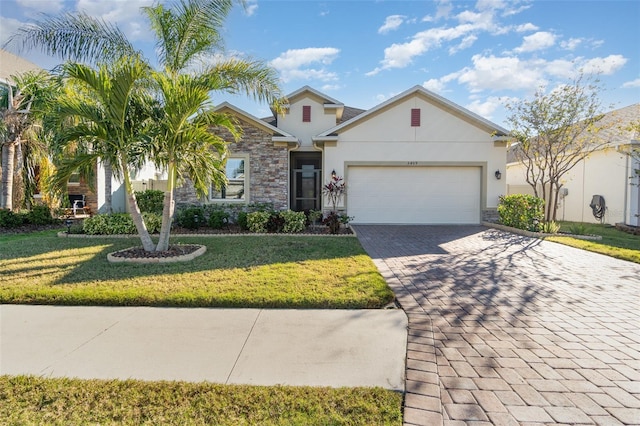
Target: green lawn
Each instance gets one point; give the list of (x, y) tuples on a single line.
[(247, 271), (31, 400), (614, 243)]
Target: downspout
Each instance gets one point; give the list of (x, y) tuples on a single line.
[(627, 182)]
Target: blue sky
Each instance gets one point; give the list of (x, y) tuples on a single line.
[(479, 54)]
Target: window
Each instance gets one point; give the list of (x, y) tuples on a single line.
[(237, 179), (74, 179), (306, 113), (415, 117)]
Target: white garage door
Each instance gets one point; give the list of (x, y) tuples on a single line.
[(414, 195)]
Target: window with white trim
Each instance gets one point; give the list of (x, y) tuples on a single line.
[(237, 183)]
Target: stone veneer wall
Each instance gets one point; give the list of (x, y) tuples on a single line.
[(90, 197), (268, 169)]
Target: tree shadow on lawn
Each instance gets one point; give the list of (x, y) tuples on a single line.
[(222, 253)]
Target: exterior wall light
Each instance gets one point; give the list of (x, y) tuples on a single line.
[(333, 174), (498, 175)]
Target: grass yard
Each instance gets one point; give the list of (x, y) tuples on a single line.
[(614, 243), (31, 400), (247, 271)]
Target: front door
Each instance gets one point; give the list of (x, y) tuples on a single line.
[(306, 181)]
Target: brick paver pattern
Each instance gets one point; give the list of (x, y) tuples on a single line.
[(511, 330)]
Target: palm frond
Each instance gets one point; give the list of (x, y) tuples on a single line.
[(77, 37)]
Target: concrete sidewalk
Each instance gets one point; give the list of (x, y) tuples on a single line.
[(243, 346)]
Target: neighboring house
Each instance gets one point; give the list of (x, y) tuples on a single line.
[(609, 172), (414, 159), (78, 189)]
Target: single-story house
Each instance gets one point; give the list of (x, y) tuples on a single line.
[(416, 158), (608, 172)]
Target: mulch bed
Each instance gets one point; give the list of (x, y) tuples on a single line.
[(235, 229), (140, 253)]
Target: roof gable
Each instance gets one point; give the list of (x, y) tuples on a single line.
[(430, 97), (278, 134)]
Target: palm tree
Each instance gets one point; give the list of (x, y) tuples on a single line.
[(109, 115), (21, 111), (185, 33)]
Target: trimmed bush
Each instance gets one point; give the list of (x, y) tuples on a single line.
[(119, 224), (150, 201), (257, 221), (191, 217), (40, 215), (241, 221), (521, 211), (218, 219), (9, 219), (275, 224), (293, 221)]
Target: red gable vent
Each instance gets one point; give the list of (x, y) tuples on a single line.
[(306, 113), (415, 117)]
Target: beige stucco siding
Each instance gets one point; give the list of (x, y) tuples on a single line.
[(291, 122), (603, 173), (442, 138)]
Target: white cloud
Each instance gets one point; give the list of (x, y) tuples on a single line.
[(295, 64), (435, 85), (42, 6), (571, 44), (444, 9), (466, 43), (251, 7), (632, 83), (470, 24), (392, 22), (526, 27), (537, 41), (500, 73), (331, 87), (605, 66), (487, 107), (124, 13)]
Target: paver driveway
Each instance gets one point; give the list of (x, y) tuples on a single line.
[(510, 330)]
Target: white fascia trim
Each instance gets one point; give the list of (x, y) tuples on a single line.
[(256, 120), (429, 94), (325, 138)]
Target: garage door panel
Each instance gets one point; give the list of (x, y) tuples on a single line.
[(436, 195)]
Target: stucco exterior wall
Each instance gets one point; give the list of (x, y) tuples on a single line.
[(268, 170), (442, 138), (603, 173), (292, 123)]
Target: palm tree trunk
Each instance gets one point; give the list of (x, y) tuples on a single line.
[(168, 208), (136, 216), (8, 155), (18, 177), (108, 173)]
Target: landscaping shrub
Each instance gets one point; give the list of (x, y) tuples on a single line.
[(521, 211), (191, 217), (218, 219), (241, 221), (275, 224), (150, 201), (578, 229), (293, 221), (9, 219), (119, 224), (332, 221), (40, 215), (550, 227), (257, 221)]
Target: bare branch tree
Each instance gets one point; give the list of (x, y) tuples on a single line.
[(554, 131)]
